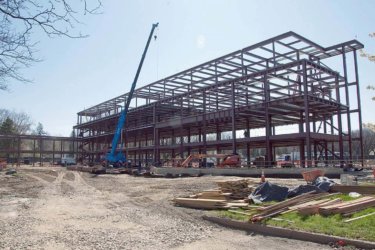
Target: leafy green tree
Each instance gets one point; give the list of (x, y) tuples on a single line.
[(8, 127)]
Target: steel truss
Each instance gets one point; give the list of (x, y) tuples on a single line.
[(278, 82)]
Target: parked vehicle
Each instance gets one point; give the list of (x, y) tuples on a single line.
[(65, 161)]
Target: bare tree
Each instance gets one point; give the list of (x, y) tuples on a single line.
[(371, 58), (19, 19), (39, 130), (368, 136), (22, 121)]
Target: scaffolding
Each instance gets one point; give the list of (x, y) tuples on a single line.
[(241, 101)]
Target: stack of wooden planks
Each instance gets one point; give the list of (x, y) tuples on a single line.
[(290, 205), (238, 189), (214, 194), (348, 207), (310, 204), (209, 203), (230, 194), (200, 203), (311, 209)]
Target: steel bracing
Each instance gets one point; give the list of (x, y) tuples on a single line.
[(240, 102)]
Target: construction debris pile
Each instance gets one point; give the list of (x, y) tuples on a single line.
[(230, 194), (238, 194)]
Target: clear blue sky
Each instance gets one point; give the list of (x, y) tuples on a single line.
[(76, 74)]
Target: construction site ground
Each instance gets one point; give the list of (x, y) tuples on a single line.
[(53, 208)]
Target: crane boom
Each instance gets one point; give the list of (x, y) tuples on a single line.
[(112, 156)]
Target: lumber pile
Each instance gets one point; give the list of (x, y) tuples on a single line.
[(208, 203), (200, 203), (337, 206), (312, 209), (348, 207), (230, 194), (310, 204), (238, 189), (290, 204), (214, 194)]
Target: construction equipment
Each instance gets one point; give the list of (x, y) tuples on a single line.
[(3, 163), (113, 157), (228, 160), (285, 161)]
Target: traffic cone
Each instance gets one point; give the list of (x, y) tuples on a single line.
[(262, 177)]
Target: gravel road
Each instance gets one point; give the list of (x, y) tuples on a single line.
[(51, 208)]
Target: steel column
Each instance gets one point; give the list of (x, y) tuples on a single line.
[(358, 105), (347, 103), (233, 101), (268, 124), (307, 115), (339, 123)]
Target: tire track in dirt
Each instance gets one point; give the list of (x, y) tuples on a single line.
[(121, 212), (83, 186), (41, 180), (63, 212)]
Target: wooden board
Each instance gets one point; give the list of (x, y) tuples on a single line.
[(348, 189), (283, 205), (314, 209), (348, 208), (305, 204), (200, 203), (347, 203)]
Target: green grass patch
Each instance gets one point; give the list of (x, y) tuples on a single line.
[(363, 228), (233, 216), (332, 225), (344, 197)]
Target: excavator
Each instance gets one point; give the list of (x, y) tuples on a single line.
[(233, 160), (114, 157)]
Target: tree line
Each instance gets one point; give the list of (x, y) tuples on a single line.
[(19, 123)]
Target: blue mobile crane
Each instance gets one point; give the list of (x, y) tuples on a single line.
[(113, 157)]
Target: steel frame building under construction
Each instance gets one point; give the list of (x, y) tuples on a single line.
[(276, 93)]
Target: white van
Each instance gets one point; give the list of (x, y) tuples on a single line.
[(65, 160)]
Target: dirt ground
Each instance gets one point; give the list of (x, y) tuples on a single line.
[(52, 208)]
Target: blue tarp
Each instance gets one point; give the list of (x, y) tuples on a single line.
[(269, 192), (272, 192)]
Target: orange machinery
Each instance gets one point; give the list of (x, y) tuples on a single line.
[(3, 163), (227, 160)]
